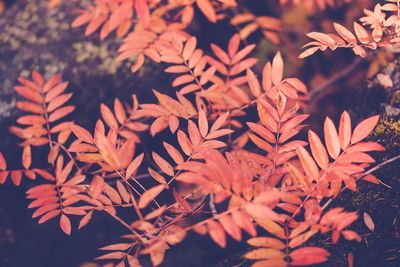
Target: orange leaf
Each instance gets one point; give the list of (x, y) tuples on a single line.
[(163, 164), (345, 130), (369, 222), (322, 38), (308, 52), (361, 33), (27, 157), (142, 11), (174, 153), (318, 150), (308, 255), (364, 128), (55, 91), (96, 187), (308, 163), (219, 122), (123, 192), (270, 263), (266, 242), (16, 177), (208, 10), (108, 117), (181, 201), (277, 69), (108, 151), (120, 14), (158, 177), (65, 224), (230, 227), (58, 102), (331, 138), (185, 143), (265, 253), (3, 162), (85, 220), (242, 220), (345, 33), (149, 195), (189, 48), (82, 133), (271, 227), (112, 194), (119, 111), (134, 166), (49, 215), (217, 233), (60, 113)]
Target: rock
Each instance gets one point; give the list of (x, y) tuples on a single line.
[(380, 248), (35, 38)]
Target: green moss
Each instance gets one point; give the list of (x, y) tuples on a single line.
[(86, 51), (360, 200), (395, 101), (388, 128)]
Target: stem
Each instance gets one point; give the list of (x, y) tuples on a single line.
[(67, 152), (321, 91), (377, 167), (125, 225)]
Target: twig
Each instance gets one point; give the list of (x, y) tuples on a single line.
[(320, 91), (122, 222)]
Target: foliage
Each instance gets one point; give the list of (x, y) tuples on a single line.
[(383, 23), (227, 174), (280, 188)]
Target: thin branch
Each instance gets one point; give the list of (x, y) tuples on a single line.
[(321, 90), (377, 167), (125, 225)]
